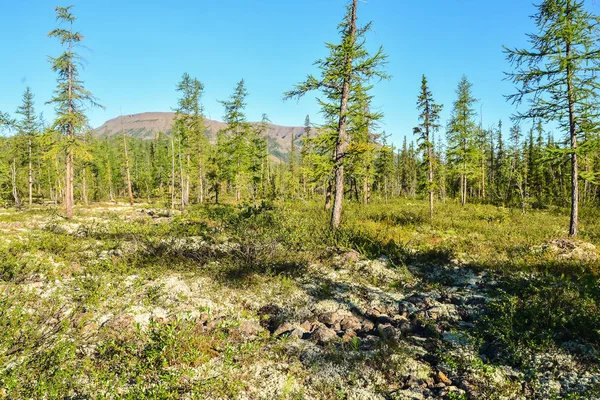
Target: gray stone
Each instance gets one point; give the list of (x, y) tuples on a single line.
[(324, 335)]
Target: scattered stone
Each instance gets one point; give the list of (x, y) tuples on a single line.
[(324, 335), (386, 331), (330, 318), (348, 336), (407, 308), (286, 328), (351, 323), (250, 329)]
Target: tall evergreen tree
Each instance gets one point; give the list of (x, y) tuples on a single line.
[(461, 133), (29, 132), (429, 116), (348, 64), (558, 77), (70, 97), (237, 141)]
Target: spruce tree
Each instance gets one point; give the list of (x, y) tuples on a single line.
[(429, 117), (461, 136), (28, 130), (236, 141)]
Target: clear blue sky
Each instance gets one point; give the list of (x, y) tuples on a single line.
[(138, 50)]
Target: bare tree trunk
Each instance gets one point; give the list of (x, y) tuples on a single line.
[(172, 174), (340, 149), (181, 177), (15, 190), (430, 162), (84, 195), (69, 184), (328, 194), (30, 176), (187, 179), (127, 172), (574, 222)]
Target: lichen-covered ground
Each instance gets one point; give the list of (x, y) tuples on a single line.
[(265, 303)]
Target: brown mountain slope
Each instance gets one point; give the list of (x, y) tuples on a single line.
[(147, 125)]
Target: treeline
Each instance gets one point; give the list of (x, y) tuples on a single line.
[(347, 158), (512, 166)]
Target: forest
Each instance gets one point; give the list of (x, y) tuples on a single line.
[(459, 264)]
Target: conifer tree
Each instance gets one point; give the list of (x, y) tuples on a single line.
[(70, 97), (348, 64), (28, 131), (558, 77), (461, 134), (429, 117), (190, 131), (237, 140)]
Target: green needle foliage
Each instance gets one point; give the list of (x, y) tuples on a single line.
[(429, 117), (347, 66), (557, 77), (70, 98)]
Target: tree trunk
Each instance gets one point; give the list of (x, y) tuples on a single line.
[(574, 222), (15, 190), (172, 174), (127, 172), (30, 176), (340, 149), (328, 194), (69, 184), (430, 162), (84, 195), (181, 176)]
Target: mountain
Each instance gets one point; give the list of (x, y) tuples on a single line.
[(147, 125)]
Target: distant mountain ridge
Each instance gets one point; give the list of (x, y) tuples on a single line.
[(147, 125)]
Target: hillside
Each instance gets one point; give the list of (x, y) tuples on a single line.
[(147, 125)]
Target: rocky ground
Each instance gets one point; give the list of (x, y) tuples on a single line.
[(343, 326)]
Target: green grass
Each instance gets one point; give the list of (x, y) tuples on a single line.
[(259, 253)]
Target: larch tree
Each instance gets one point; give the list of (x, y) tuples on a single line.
[(429, 117), (557, 76), (70, 97), (348, 63)]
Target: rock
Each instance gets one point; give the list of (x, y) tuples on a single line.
[(407, 308), (286, 328), (299, 333), (447, 312), (350, 256), (330, 318), (386, 331), (442, 378), (403, 324), (348, 336), (351, 322), (308, 326), (250, 329), (367, 326), (324, 335)]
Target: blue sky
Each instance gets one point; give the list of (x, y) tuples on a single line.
[(138, 50)]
